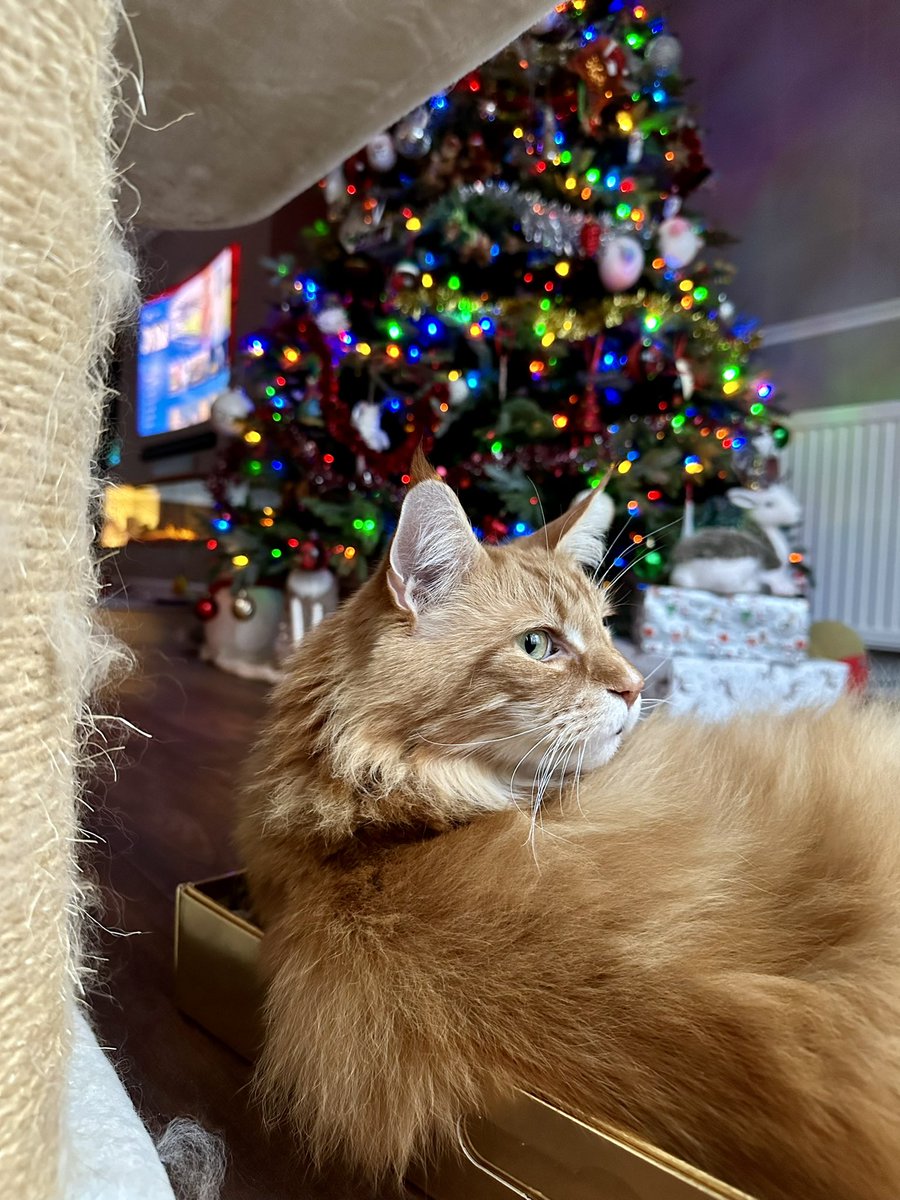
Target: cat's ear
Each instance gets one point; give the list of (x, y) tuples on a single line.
[(433, 549), (581, 532)]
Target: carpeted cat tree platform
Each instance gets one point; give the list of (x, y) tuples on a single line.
[(66, 1128)]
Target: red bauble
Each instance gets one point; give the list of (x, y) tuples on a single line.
[(590, 238), (308, 556), (206, 608)]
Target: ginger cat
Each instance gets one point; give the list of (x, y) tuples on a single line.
[(464, 892)]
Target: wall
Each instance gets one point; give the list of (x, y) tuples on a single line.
[(799, 103)]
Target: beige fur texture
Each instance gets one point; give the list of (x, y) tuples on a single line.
[(695, 940)]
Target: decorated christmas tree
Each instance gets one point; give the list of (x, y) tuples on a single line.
[(515, 277)]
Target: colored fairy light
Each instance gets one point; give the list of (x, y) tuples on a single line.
[(548, 286), (275, 552), (349, 552), (518, 132), (686, 285), (795, 558), (678, 421), (562, 269), (453, 375), (438, 102), (475, 330), (392, 351), (212, 544), (611, 180), (221, 524), (627, 185), (566, 157), (633, 507), (654, 494), (622, 211), (454, 283), (536, 367), (757, 408), (637, 215), (625, 121), (548, 339), (429, 259), (495, 251), (240, 560), (255, 467), (496, 447), (693, 465), (413, 224), (357, 524), (472, 379), (252, 436), (640, 13), (651, 322), (351, 190), (624, 467), (276, 417), (592, 176), (619, 561), (328, 458), (291, 354), (633, 455), (560, 420), (394, 404), (256, 348), (659, 96), (487, 324), (414, 353), (363, 348), (270, 392), (730, 373), (545, 306), (405, 479), (727, 444), (520, 528), (277, 464), (738, 443), (293, 543), (527, 277), (764, 390), (394, 330), (731, 387), (431, 328)]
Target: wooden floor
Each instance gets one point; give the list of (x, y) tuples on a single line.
[(167, 818)]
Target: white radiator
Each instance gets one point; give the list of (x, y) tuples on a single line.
[(844, 466)]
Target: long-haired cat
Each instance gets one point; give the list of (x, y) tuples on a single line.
[(466, 889)]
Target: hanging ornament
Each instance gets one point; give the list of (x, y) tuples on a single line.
[(548, 133), (363, 227), (206, 609), (336, 198), (685, 377), (405, 275), (645, 363), (620, 262), (664, 54), (781, 435), (457, 391), (635, 147), (333, 319), (411, 136), (591, 233), (380, 152), (679, 242), (228, 411), (366, 418), (243, 606), (604, 68)]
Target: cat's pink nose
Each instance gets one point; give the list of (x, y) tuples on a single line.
[(629, 695)]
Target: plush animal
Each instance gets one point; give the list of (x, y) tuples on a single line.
[(752, 559)]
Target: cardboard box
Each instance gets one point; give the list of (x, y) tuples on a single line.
[(524, 1148)]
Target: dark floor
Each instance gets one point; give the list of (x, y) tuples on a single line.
[(166, 819)]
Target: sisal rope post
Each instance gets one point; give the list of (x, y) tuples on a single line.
[(63, 276)]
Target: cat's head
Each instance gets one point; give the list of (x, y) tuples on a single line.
[(480, 662)]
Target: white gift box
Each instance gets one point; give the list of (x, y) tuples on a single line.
[(686, 621)]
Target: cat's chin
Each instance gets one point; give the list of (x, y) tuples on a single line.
[(602, 745)]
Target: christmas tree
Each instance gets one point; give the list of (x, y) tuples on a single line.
[(514, 277)]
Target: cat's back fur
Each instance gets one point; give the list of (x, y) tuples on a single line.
[(699, 944)]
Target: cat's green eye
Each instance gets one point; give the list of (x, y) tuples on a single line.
[(536, 643)]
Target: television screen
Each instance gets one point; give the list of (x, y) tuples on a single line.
[(184, 349)]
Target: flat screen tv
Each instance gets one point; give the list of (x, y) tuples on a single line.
[(184, 352)]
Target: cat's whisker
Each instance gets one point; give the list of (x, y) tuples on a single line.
[(512, 780), (483, 742), (608, 551), (656, 535)]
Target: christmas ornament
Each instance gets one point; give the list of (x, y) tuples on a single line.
[(309, 555), (243, 606), (366, 418), (726, 310), (206, 609), (620, 262), (664, 54), (635, 147), (406, 274), (781, 435), (685, 376), (333, 319), (591, 233), (380, 152), (228, 411), (679, 242), (457, 391), (411, 136), (336, 191), (363, 227), (604, 68)]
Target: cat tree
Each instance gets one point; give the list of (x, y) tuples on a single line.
[(65, 282)]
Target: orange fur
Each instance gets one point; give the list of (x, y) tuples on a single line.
[(697, 942)]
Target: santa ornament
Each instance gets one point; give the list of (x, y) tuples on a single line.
[(380, 152), (679, 242)]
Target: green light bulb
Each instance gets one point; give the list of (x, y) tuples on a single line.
[(496, 447), (454, 283)]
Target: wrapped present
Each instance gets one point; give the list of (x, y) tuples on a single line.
[(687, 621), (715, 689)]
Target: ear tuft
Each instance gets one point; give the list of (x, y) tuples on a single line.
[(433, 549), (421, 470)]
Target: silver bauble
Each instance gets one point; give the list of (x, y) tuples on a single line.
[(411, 136), (243, 605), (664, 54)]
